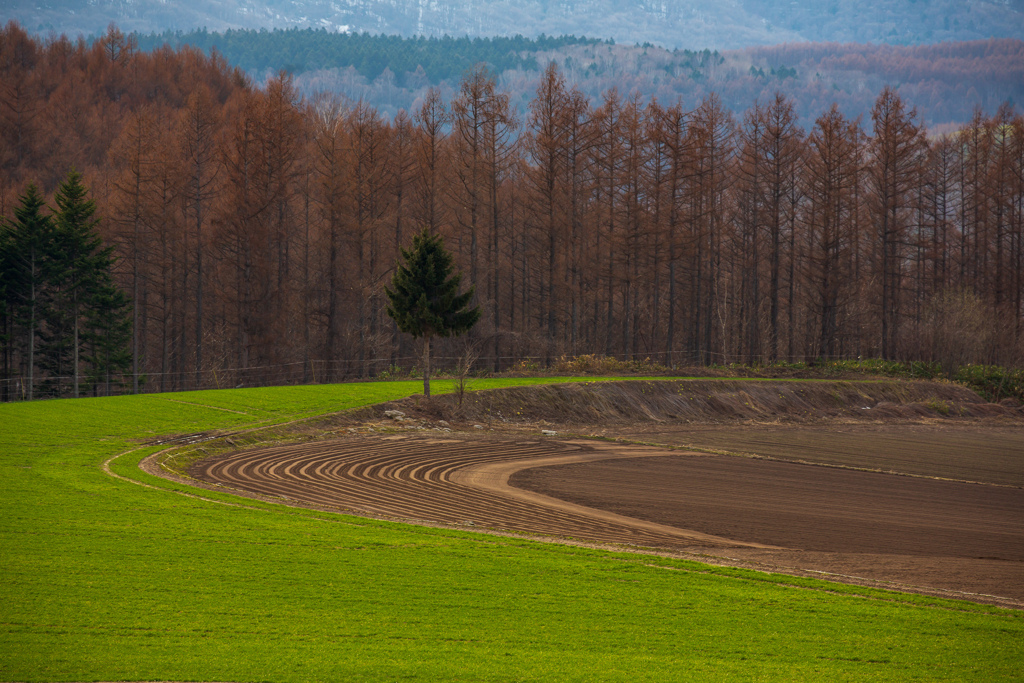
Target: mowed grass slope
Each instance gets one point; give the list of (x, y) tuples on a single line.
[(104, 579)]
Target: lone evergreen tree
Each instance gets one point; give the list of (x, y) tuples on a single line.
[(425, 301)]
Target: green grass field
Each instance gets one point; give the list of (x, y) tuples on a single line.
[(104, 579)]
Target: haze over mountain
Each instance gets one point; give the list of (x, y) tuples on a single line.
[(693, 24)]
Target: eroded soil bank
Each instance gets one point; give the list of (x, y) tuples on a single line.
[(712, 401)]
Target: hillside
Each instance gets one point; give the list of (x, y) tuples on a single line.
[(945, 82), (686, 401), (693, 24)]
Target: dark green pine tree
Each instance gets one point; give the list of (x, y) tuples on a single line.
[(25, 280), (85, 305), (77, 259), (54, 350), (7, 272), (424, 298), (108, 333)]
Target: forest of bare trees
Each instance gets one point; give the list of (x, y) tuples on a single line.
[(256, 229)]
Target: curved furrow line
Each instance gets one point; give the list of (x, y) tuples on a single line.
[(308, 465), (266, 469), (252, 467), (322, 469), (355, 496), (304, 468), (311, 467), (262, 479), (442, 466), (434, 501), (340, 459)]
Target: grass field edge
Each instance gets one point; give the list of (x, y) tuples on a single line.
[(128, 462)]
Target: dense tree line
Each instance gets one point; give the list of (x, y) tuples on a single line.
[(300, 50), (256, 228), (886, 21), (945, 81), (674, 25)]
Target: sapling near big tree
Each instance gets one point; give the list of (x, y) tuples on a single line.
[(424, 298)]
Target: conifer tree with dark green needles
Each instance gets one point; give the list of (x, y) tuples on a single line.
[(60, 311), (28, 243), (424, 298), (7, 272), (108, 332), (80, 264)]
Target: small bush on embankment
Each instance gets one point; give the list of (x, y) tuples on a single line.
[(993, 382), (714, 400)]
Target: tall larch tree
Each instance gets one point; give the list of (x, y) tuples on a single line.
[(197, 130), (670, 130), (329, 138), (712, 128), (546, 146), (134, 155), (894, 173), (832, 176), (608, 158), (752, 195), (368, 201), (783, 147)]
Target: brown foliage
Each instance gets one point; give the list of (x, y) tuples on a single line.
[(256, 228)]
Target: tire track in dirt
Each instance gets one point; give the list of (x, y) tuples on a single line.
[(445, 481)]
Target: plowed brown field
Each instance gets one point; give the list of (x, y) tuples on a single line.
[(452, 482), (989, 453), (945, 537)]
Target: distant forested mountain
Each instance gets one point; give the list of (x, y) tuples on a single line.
[(690, 24), (298, 51), (945, 81)]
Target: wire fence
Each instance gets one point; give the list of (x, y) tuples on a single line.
[(282, 374), (358, 369)]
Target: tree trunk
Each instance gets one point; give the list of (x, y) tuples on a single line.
[(75, 313), (426, 366), (32, 332)]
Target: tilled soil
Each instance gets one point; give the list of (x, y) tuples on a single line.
[(441, 481), (923, 533), (798, 506), (942, 537), (987, 451)]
